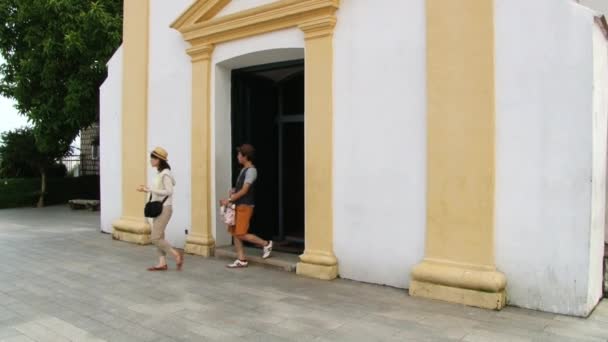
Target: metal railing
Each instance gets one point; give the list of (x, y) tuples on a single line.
[(79, 165)]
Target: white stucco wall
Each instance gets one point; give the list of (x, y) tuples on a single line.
[(601, 6), (272, 47), (110, 137), (380, 140), (600, 95), (241, 5), (544, 86), (600, 151), (169, 107)]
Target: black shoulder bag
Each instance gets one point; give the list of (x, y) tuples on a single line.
[(154, 209)]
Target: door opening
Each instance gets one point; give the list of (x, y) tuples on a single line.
[(268, 112)]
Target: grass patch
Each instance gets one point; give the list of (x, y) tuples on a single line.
[(23, 192)]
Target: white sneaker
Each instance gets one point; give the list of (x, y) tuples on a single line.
[(267, 250), (238, 264)]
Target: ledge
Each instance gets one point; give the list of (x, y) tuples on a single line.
[(472, 285), (132, 230)]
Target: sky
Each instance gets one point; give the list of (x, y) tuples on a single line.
[(9, 118)]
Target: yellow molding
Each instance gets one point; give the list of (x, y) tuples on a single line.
[(200, 11), (471, 277), (321, 258), (459, 257), (213, 10), (437, 291), (132, 226), (262, 19), (201, 241), (323, 26), (318, 260), (199, 53)]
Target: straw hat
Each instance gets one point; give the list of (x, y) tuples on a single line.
[(160, 153)]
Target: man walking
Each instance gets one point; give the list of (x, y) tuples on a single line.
[(243, 196)]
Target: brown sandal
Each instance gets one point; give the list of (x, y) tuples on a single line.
[(155, 268)]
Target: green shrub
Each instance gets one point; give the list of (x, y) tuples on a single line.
[(19, 192), (57, 171), (23, 192)]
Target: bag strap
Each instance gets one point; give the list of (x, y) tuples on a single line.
[(164, 200)]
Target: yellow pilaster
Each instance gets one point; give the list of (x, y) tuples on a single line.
[(459, 263), (318, 260), (200, 240), (132, 226)]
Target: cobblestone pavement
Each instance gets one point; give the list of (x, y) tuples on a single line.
[(62, 280)]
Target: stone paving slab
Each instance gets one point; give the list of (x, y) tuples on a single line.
[(63, 280)]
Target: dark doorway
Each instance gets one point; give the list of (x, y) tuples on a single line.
[(268, 112)]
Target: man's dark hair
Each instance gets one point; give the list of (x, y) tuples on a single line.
[(247, 151)]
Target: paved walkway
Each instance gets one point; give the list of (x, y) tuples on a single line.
[(62, 280)]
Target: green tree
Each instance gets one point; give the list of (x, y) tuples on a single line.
[(56, 53), (19, 154)]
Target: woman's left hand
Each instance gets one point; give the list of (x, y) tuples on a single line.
[(143, 188)]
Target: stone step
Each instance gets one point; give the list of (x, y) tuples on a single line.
[(278, 260), (76, 204)]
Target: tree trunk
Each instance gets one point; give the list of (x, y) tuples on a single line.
[(42, 188)]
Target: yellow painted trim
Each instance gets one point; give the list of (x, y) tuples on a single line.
[(318, 260), (212, 10), (464, 276), (459, 258), (262, 19), (481, 299), (200, 241), (200, 11), (132, 226), (316, 18)]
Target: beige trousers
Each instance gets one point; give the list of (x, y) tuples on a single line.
[(159, 224)]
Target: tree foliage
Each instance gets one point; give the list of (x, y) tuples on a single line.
[(20, 156), (56, 53)]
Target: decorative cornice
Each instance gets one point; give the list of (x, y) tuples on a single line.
[(199, 11), (318, 28), (212, 10), (200, 52), (262, 19)]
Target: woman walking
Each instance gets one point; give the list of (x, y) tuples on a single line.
[(162, 191)]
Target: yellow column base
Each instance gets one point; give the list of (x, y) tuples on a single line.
[(200, 245), (134, 230), (318, 265), (471, 285)]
